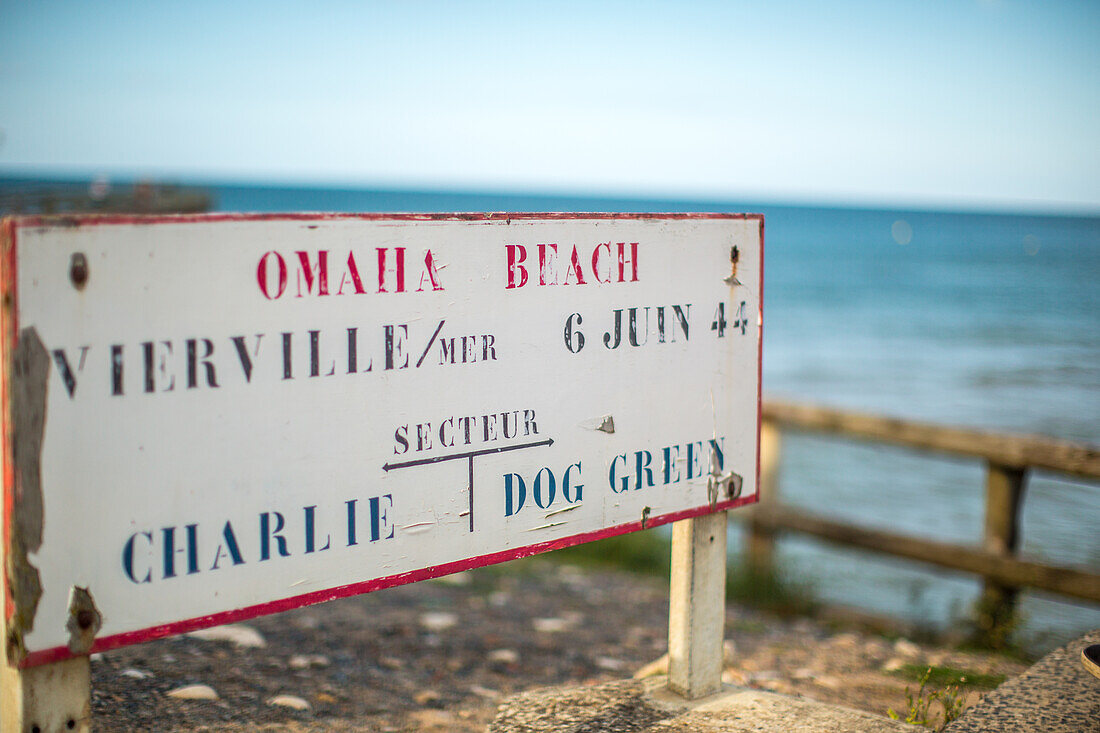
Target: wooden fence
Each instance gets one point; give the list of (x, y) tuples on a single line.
[(1008, 460)]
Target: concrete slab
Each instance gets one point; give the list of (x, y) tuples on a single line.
[(1055, 695), (645, 706)]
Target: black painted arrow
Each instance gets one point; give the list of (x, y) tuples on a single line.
[(470, 457), (471, 454)]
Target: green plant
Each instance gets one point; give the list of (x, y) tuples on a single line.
[(918, 707), (945, 676), (638, 552)]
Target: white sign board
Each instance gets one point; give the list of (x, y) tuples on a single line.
[(248, 413)]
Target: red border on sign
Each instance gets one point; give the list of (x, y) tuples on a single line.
[(9, 336), (57, 654), (9, 328)]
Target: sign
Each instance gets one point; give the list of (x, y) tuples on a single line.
[(209, 418)]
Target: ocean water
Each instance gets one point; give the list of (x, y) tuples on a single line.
[(970, 319)]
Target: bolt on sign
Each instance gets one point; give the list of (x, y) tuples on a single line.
[(209, 418)]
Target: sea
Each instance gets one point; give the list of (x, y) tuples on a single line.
[(978, 319)]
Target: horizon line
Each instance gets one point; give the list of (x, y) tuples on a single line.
[(977, 206)]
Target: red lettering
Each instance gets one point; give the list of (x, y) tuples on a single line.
[(431, 273), (596, 262), (633, 260), (514, 265), (353, 273), (261, 275), (575, 268), (311, 274), (547, 272), (399, 269)]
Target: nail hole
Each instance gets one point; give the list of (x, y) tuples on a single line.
[(78, 270), (71, 724), (85, 619), (36, 729)]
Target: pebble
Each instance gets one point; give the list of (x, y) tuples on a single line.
[(803, 673), (238, 634), (308, 622), (485, 692), (135, 674), (610, 663), (729, 652), (194, 692), (829, 682), (734, 677), (504, 656), (97, 657), (906, 648), (461, 578), (305, 661), (551, 625), (438, 620), (289, 701), (432, 720), (499, 599), (392, 662), (427, 697), (656, 667), (845, 640), (893, 664)]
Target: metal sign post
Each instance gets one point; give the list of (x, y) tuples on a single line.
[(211, 418)]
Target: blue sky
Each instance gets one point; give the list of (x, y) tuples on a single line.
[(966, 103)]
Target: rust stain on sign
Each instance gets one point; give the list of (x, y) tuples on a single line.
[(84, 620), (735, 256), (30, 369)]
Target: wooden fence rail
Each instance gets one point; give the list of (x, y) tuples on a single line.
[(1008, 459)]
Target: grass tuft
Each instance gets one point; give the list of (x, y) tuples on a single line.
[(645, 552), (950, 676)]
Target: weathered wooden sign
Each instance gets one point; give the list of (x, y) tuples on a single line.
[(209, 418)]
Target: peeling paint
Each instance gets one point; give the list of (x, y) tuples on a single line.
[(603, 423), (84, 621), (546, 526), (645, 515), (30, 370), (563, 511), (729, 481)]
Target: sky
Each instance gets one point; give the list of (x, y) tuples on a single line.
[(967, 103)]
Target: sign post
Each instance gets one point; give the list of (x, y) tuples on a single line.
[(211, 418)]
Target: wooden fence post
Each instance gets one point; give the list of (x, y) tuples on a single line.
[(1004, 491), (760, 538), (697, 606)]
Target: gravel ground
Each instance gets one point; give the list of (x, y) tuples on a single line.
[(440, 656)]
